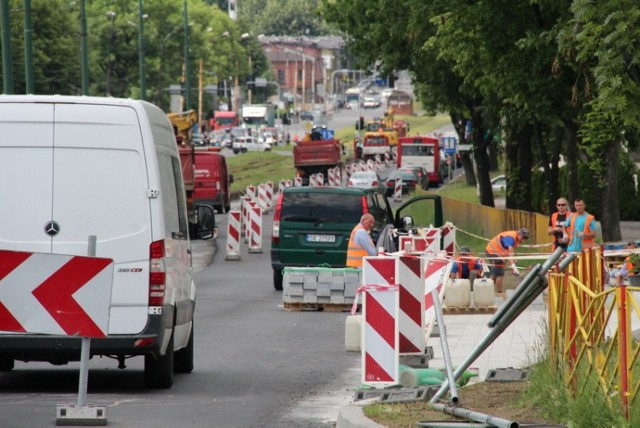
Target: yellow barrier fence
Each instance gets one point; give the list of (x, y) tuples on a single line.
[(591, 328)]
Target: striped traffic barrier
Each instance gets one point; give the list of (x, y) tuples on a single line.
[(319, 179), (247, 219), (269, 188), (432, 237), (380, 335), (251, 191), (233, 235), (411, 314), (449, 238), (255, 230), (397, 190), (297, 182), (436, 274), (262, 199), (417, 243), (244, 206)]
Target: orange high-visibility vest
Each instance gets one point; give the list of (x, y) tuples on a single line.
[(567, 221), (355, 252), (495, 247), (586, 242), (470, 262)]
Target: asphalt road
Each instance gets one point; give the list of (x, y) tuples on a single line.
[(256, 365)]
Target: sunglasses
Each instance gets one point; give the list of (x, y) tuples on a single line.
[(561, 205)]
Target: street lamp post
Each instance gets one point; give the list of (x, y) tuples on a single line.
[(111, 16), (160, 57), (84, 49), (187, 62), (143, 73)]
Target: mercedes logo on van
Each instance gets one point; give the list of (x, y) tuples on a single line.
[(52, 228)]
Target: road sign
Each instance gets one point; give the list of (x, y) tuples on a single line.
[(55, 294)]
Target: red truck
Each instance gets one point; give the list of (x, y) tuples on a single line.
[(224, 120), (314, 154), (374, 143), (421, 151)]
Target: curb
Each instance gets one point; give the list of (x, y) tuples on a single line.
[(352, 416)]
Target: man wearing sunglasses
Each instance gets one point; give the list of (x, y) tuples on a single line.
[(558, 222)]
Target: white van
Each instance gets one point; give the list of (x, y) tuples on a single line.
[(75, 167)]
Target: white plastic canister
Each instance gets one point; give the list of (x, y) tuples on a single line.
[(458, 293), (484, 292)]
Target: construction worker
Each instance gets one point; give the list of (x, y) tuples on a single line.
[(582, 228), (622, 271), (558, 222), (501, 246), (466, 266), (360, 243)]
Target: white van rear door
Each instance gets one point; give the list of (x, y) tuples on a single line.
[(100, 186), (26, 164)]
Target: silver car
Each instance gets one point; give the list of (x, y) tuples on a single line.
[(365, 180)]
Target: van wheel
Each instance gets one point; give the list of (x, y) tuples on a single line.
[(183, 359), (277, 279), (158, 371), (236, 151), (6, 364)]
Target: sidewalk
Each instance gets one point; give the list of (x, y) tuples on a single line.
[(514, 348)]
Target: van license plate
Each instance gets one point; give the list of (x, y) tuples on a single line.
[(321, 238)]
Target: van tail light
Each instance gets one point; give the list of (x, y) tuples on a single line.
[(365, 205), (374, 184), (157, 273), (275, 237)]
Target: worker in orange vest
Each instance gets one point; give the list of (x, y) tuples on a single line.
[(503, 245), (466, 266), (558, 222), (360, 242), (582, 228)]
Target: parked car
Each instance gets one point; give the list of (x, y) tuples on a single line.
[(499, 184), (365, 180), (423, 177), (409, 181), (307, 115)]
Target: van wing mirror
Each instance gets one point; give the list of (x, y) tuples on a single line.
[(205, 227)]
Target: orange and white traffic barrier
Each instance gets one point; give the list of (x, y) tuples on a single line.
[(411, 315), (255, 230), (397, 193), (380, 311), (234, 220)]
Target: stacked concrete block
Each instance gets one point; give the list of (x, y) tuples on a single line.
[(321, 286)]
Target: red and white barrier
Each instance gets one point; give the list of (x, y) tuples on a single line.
[(417, 243), (436, 275), (255, 230), (244, 208), (380, 309), (234, 220), (298, 181), (432, 239), (411, 314), (247, 219), (449, 238), (251, 192), (397, 193)]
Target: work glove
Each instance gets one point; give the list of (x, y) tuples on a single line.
[(515, 270)]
